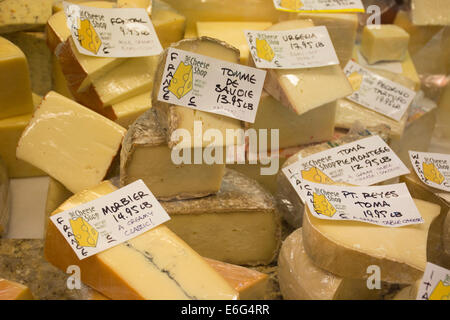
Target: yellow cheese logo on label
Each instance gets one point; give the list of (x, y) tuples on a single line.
[(88, 37), (182, 81), (355, 80), (291, 4), (441, 292), (432, 173), (264, 50), (322, 205), (316, 175), (85, 234)]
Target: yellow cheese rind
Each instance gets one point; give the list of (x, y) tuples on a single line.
[(4, 198), (348, 248), (71, 143), (11, 290), (155, 265), (17, 15)]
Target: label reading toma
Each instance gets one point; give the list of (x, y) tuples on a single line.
[(112, 32), (319, 5), (435, 284), (433, 169), (292, 49), (105, 222), (211, 85)]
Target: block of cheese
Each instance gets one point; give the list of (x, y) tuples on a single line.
[(347, 248), (145, 155), (71, 143), (144, 4), (126, 112), (155, 265), (232, 33), (315, 125), (408, 292), (430, 12), (302, 89), (59, 81), (169, 23), (4, 198), (33, 45), (300, 279), (342, 28), (15, 95), (174, 117), (191, 32), (387, 42), (11, 290), (289, 202), (239, 224), (16, 15)]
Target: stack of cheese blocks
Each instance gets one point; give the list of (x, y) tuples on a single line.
[(100, 127)]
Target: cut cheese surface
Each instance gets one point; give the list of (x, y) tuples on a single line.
[(71, 143), (155, 265), (430, 12), (16, 15), (4, 198), (11, 290), (302, 89), (347, 248), (169, 23), (126, 112)]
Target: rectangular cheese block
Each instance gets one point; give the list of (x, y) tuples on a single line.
[(155, 265), (33, 45), (169, 23), (174, 117), (348, 248), (238, 225), (145, 155), (4, 198), (430, 12), (387, 42), (69, 142), (302, 89), (15, 95), (301, 279), (17, 15), (11, 290), (232, 33), (126, 112)]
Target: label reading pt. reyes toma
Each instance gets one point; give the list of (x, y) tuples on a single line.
[(211, 85), (435, 284), (319, 5), (388, 205), (433, 169), (361, 163), (112, 32), (378, 93), (103, 223), (292, 49)]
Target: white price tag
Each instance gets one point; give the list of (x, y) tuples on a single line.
[(112, 32), (110, 220), (292, 49), (211, 85), (380, 94), (319, 5), (435, 284), (433, 169)]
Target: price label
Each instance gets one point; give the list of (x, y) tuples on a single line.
[(211, 85), (435, 284), (319, 5), (114, 32), (110, 220), (433, 169)]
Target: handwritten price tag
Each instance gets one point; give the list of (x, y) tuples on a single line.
[(211, 85), (100, 32), (433, 169), (319, 5), (110, 220)]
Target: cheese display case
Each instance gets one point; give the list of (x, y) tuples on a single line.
[(224, 150)]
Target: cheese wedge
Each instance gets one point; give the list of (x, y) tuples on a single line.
[(11, 290), (316, 125), (386, 42), (145, 155), (347, 248), (15, 96), (408, 292), (289, 203), (232, 33), (169, 23), (238, 225), (71, 143), (16, 15), (302, 89), (300, 279), (4, 198), (174, 117), (430, 12), (155, 265), (126, 112)]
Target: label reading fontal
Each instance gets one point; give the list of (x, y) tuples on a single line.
[(435, 283), (319, 5), (112, 32), (378, 93), (361, 163), (433, 169), (211, 85), (110, 220), (387, 205), (292, 49)]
